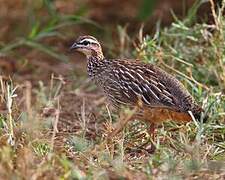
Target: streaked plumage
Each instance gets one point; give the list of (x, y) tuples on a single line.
[(126, 82)]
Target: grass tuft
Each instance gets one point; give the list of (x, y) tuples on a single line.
[(57, 130)]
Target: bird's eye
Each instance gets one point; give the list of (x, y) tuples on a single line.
[(86, 43)]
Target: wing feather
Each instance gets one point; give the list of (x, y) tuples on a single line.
[(137, 80)]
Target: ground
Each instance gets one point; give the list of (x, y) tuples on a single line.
[(54, 122)]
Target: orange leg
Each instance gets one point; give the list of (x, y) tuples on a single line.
[(151, 131), (149, 146), (122, 122), (118, 128)]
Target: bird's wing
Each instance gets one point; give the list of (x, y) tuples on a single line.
[(131, 81)]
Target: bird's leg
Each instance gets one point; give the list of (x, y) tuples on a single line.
[(151, 147), (123, 121), (151, 131), (119, 127)]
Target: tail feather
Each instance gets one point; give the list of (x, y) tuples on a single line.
[(197, 111)]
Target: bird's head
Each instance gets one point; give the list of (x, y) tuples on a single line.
[(89, 46)]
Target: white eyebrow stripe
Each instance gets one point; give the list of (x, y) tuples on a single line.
[(89, 40)]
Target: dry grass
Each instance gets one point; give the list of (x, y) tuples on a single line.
[(56, 126)]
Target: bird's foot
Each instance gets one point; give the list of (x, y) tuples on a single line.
[(149, 147)]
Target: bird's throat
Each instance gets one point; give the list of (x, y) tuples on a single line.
[(93, 65), (97, 54)]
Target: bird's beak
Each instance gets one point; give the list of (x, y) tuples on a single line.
[(74, 46)]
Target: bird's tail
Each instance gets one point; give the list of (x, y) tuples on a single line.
[(197, 112)]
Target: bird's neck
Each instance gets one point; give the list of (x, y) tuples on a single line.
[(94, 65), (97, 54)]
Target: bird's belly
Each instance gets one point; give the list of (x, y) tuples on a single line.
[(159, 115), (153, 114)]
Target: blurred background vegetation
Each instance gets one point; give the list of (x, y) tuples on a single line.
[(30, 29), (53, 123)]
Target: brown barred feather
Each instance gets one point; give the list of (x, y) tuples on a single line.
[(126, 82)]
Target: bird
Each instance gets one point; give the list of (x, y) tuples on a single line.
[(157, 95)]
